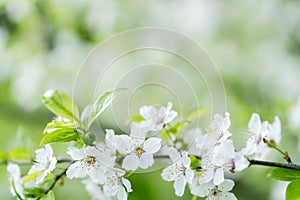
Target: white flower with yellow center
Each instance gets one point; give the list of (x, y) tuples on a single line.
[(87, 162), (213, 192), (116, 185), (179, 172), (139, 151), (156, 117), (44, 163)]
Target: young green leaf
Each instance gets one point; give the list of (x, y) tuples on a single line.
[(175, 128), (19, 154), (283, 174), (195, 114), (33, 192), (60, 135), (31, 177), (55, 124), (49, 196), (136, 118), (3, 156), (61, 104), (91, 112), (292, 191)]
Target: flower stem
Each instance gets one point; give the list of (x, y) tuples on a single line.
[(275, 164), (285, 154)]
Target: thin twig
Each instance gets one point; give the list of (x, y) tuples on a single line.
[(275, 164)]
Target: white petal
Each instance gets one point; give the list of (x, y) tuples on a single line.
[(96, 173), (206, 176), (185, 159), (146, 161), (76, 170), (174, 154), (189, 175), (227, 196), (219, 176), (169, 173), (226, 186), (127, 184), (203, 189), (254, 125), (122, 194), (130, 162), (152, 145), (124, 144), (75, 153), (241, 162), (111, 139), (145, 110), (179, 186), (137, 131)]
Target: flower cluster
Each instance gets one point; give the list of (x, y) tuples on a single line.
[(105, 164), (200, 159)]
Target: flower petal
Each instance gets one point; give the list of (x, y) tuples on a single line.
[(189, 175), (122, 194), (169, 173), (75, 153), (152, 145), (131, 162), (219, 176), (226, 186), (254, 124), (146, 161), (124, 144), (76, 170), (206, 176), (127, 184), (174, 154), (179, 186)]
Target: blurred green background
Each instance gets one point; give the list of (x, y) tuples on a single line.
[(255, 44)]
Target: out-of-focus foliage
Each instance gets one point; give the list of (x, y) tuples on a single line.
[(256, 45)]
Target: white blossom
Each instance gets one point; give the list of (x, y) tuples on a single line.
[(274, 134), (213, 192), (221, 159), (15, 180), (216, 133), (87, 163), (139, 151), (258, 132), (156, 117), (116, 185), (44, 163), (179, 172), (94, 190)]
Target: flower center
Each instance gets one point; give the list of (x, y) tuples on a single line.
[(215, 191), (139, 151), (90, 160)]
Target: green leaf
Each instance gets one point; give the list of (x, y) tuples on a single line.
[(3, 156), (55, 124), (33, 192), (60, 104), (31, 177), (195, 163), (19, 154), (195, 114), (292, 191), (176, 127), (283, 174), (136, 118), (60, 135), (49, 196), (91, 112)]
